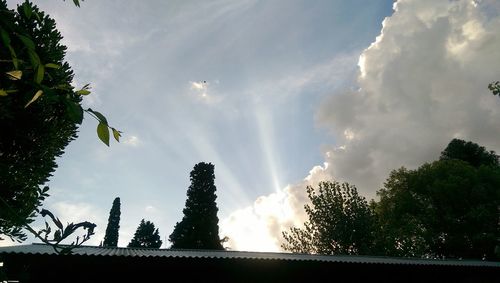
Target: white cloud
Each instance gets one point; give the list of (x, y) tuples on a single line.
[(258, 227), (201, 93), (421, 83), (131, 140)]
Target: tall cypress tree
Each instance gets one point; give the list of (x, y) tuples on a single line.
[(146, 236), (199, 228), (111, 237)]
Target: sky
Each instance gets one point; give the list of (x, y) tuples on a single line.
[(278, 95)]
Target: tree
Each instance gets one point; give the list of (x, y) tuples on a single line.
[(469, 152), (340, 222), (146, 236), (31, 137), (447, 208), (111, 237), (494, 87), (199, 227), (39, 112)]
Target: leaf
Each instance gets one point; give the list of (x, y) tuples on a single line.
[(37, 16), (15, 75), (103, 133), (99, 116), (83, 92), (116, 134), (5, 37), (35, 97), (75, 111), (27, 11), (77, 3), (40, 71), (58, 223), (27, 42), (14, 57), (52, 66), (3, 92), (35, 60)]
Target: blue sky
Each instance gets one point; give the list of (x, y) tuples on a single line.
[(286, 90)]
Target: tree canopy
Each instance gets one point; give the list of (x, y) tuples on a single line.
[(40, 112), (33, 134), (340, 222), (447, 208), (146, 236), (111, 236), (199, 227)]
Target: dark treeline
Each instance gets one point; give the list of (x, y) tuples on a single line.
[(449, 208)]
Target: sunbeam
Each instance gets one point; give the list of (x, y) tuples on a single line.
[(265, 128)]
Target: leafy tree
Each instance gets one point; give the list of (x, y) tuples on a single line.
[(111, 237), (146, 236), (494, 87), (39, 112), (340, 222), (31, 137), (199, 227), (469, 152), (448, 208)]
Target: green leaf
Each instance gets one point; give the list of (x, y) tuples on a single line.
[(103, 133), (27, 42), (116, 134), (5, 37), (52, 65), (35, 60), (99, 116), (35, 97), (37, 16), (15, 75), (14, 57), (3, 92), (27, 11), (40, 71), (77, 3), (75, 111), (83, 92)]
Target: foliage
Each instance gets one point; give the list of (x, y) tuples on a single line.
[(340, 222), (199, 228), (146, 236), (62, 233), (494, 87), (111, 237), (469, 152), (39, 111), (448, 208)]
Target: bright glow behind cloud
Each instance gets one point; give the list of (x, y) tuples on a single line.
[(422, 82)]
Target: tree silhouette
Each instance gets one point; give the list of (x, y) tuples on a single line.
[(447, 208), (146, 236), (32, 135), (111, 237), (469, 152), (199, 227), (340, 222)]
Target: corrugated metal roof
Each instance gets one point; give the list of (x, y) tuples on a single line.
[(216, 254)]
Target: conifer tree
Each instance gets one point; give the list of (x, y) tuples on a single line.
[(111, 237), (199, 228), (146, 236)]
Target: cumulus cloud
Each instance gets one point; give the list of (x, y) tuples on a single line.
[(258, 227), (422, 82)]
